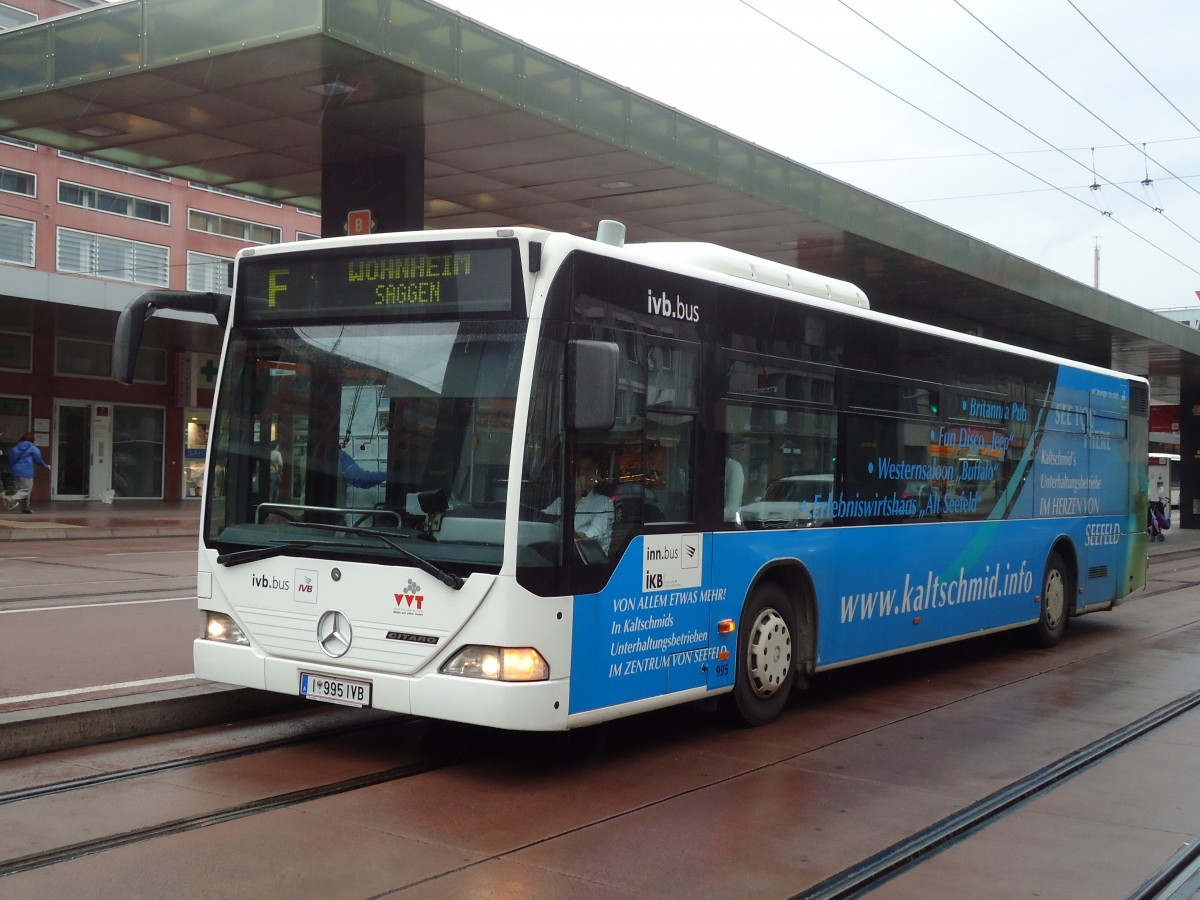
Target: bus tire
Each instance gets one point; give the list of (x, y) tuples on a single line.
[(1055, 603), (766, 655)]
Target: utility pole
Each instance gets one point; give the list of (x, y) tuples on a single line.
[(1096, 266)]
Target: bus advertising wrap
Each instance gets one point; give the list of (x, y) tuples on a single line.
[(1069, 465)]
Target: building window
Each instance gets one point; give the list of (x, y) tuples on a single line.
[(14, 418), (305, 236), (114, 203), (79, 157), (84, 253), (16, 241), (208, 273), (16, 352), (94, 359), (85, 359), (11, 17), (235, 194), (14, 181), (17, 142), (252, 232), (151, 366), (137, 452)]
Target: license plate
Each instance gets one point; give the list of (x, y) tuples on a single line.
[(331, 689)]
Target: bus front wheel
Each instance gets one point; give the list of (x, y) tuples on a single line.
[(1055, 604), (766, 669)]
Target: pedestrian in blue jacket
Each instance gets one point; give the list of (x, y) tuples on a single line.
[(21, 460)]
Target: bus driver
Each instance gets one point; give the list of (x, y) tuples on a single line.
[(593, 510)]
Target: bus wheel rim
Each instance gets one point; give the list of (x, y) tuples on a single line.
[(769, 657), (1055, 599)]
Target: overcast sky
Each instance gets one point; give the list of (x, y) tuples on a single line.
[(980, 114)]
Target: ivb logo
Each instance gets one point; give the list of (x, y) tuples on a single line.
[(306, 586), (676, 308), (411, 601), (269, 583)]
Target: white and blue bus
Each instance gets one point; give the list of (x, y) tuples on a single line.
[(787, 482)]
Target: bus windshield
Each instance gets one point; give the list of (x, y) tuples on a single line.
[(400, 433)]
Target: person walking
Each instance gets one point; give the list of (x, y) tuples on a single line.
[(21, 460)]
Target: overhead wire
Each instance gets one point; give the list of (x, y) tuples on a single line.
[(1095, 186), (1148, 184), (1132, 66), (933, 156), (778, 24), (1076, 187), (904, 100), (1063, 90)]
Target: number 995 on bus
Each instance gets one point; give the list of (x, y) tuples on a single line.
[(335, 690)]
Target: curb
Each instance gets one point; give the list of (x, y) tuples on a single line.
[(1171, 555), (29, 732), (85, 532)]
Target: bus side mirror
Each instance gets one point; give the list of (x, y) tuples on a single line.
[(128, 341), (592, 385), (132, 321)]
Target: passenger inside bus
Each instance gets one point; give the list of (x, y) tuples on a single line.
[(735, 480)]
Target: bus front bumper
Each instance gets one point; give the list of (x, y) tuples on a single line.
[(535, 706)]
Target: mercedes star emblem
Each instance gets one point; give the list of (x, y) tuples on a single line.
[(334, 633)]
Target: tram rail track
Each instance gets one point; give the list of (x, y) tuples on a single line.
[(854, 881), (51, 789), (870, 873), (429, 762), (231, 813), (13, 604), (1177, 879)]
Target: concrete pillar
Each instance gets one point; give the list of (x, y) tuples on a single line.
[(1189, 458), (391, 186)]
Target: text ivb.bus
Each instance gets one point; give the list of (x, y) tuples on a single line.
[(534, 481)]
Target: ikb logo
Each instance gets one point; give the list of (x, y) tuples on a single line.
[(672, 561), (306, 586)]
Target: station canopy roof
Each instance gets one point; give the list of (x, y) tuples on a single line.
[(258, 96)]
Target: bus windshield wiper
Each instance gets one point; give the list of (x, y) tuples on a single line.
[(237, 557), (447, 578)]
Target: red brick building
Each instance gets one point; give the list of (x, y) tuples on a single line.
[(79, 239)]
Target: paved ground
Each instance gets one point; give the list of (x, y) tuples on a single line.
[(671, 804), (87, 519)]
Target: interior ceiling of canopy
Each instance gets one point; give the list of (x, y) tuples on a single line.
[(512, 136)]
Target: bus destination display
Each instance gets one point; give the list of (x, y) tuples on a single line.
[(402, 281)]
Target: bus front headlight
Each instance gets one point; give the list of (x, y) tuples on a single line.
[(222, 628), (498, 663)]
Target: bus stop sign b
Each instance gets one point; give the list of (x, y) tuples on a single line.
[(359, 221)]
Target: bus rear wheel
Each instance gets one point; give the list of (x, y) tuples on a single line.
[(1055, 605), (766, 670)]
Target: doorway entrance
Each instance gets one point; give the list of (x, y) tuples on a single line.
[(83, 445), (72, 450), (104, 452)]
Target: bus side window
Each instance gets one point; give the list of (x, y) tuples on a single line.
[(736, 490), (672, 372)]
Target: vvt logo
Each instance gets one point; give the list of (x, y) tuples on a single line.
[(269, 584), (411, 598)]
